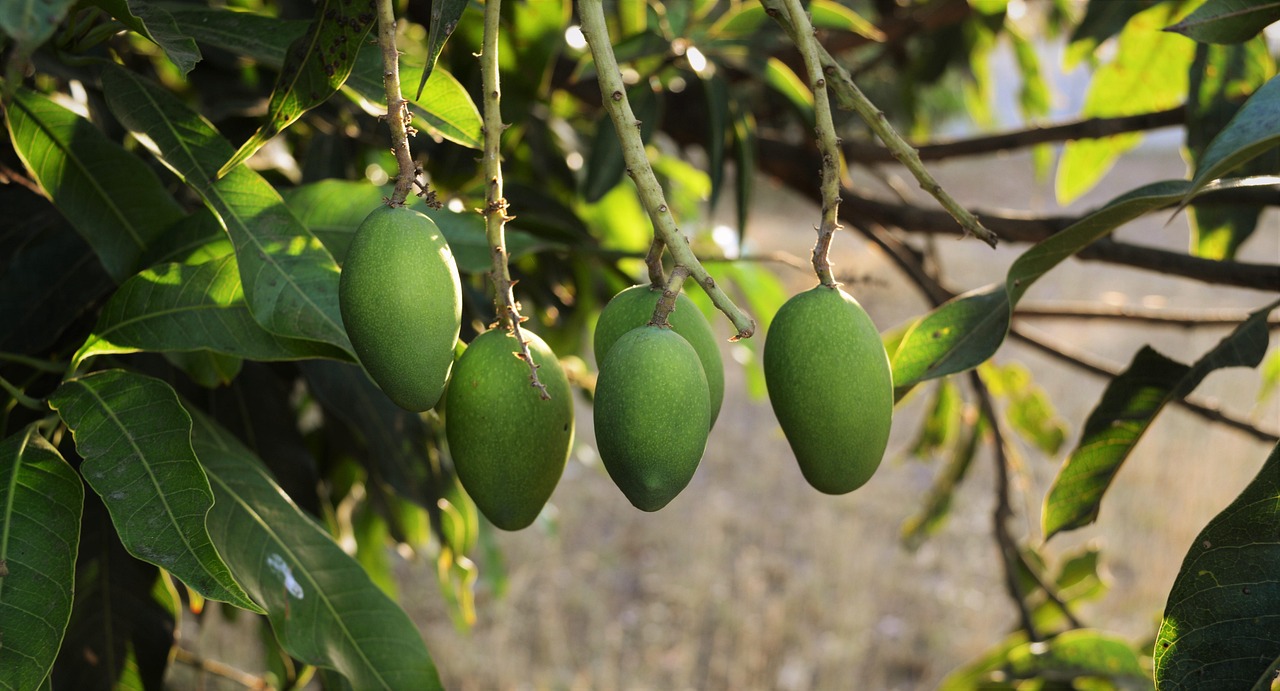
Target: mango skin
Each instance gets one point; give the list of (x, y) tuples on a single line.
[(830, 386), (401, 303), (652, 415), (509, 446), (633, 308)]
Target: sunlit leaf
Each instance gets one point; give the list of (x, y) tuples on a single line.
[(41, 500), (1128, 407), (152, 20), (135, 438), (942, 422), (1254, 130), (1221, 626), (1228, 21), (1029, 411), (444, 19), (746, 18), (1102, 20), (1079, 652), (787, 83)]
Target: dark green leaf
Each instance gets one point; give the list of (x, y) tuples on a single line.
[(942, 422), (206, 367), (41, 500), (605, 164), (444, 19), (744, 151), (1128, 406), (1221, 626), (135, 438), (1228, 21), (178, 307), (155, 23), (290, 280), (716, 90), (324, 608), (30, 24), (315, 67), (1254, 130), (109, 195)]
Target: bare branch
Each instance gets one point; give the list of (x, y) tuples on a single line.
[(1133, 313)]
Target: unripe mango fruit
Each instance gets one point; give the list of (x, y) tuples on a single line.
[(830, 386), (652, 415), (401, 303), (509, 445), (633, 308)]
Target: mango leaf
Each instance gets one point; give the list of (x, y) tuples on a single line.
[(177, 307), (30, 24), (1228, 21), (937, 504), (1079, 652), (1029, 410), (1135, 81), (322, 605), (1102, 20), (1128, 407), (316, 66), (1254, 130), (1221, 626), (109, 195), (605, 164), (716, 90), (290, 281), (447, 111), (744, 151), (151, 20), (787, 83), (746, 19), (135, 438), (941, 424), (968, 329), (41, 500), (444, 19)]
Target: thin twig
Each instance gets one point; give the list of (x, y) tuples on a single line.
[(614, 94), (495, 208), (218, 669), (1051, 592), (670, 291), (20, 396), (398, 115), (1133, 313)]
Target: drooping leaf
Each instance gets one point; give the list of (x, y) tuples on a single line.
[(744, 151), (746, 19), (1228, 21), (322, 605), (1254, 130), (41, 500), (32, 23), (179, 307), (135, 438), (290, 280), (109, 195), (1221, 626), (717, 99), (605, 163), (446, 108), (942, 422), (153, 21), (937, 504), (315, 67), (782, 79), (1128, 407), (444, 19), (1029, 410)]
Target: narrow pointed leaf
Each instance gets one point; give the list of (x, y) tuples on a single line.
[(444, 19), (1228, 21), (30, 24), (744, 151), (324, 608), (109, 195), (1254, 130), (1221, 626), (41, 500), (1128, 407), (135, 438), (178, 307), (153, 21), (290, 281), (717, 94), (315, 67)]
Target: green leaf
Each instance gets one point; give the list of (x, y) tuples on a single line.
[(937, 505), (109, 195), (1221, 626), (787, 83), (605, 163), (1228, 21), (1254, 130), (942, 422), (322, 605), (447, 109), (290, 280), (444, 19), (41, 500), (1128, 406), (1102, 20), (155, 22), (315, 67), (135, 438), (177, 307), (1147, 74), (1079, 652), (828, 14), (744, 151), (31, 23), (1029, 410), (716, 90)]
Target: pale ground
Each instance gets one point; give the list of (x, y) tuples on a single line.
[(752, 580)]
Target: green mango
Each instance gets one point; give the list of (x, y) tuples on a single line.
[(830, 386), (401, 303), (652, 415), (508, 444), (633, 308)]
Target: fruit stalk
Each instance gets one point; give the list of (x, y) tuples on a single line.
[(670, 291), (828, 143), (653, 261), (614, 94), (495, 206), (398, 115), (850, 97)]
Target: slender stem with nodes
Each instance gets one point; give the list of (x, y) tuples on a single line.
[(614, 95), (399, 117), (850, 97), (495, 207), (653, 261), (670, 291), (828, 143)]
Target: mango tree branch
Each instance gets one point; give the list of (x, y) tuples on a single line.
[(398, 115), (850, 97), (495, 207), (614, 95), (828, 143)]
